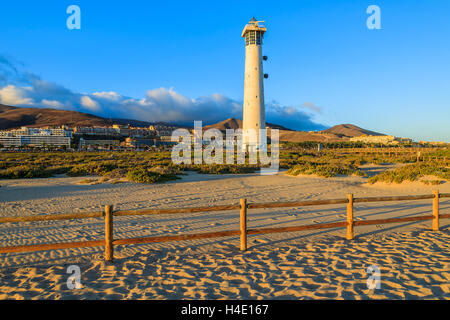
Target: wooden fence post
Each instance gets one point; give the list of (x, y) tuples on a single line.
[(436, 210), (109, 250), (350, 217), (243, 224)]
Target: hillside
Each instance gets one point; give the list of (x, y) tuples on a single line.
[(13, 117), (302, 136), (285, 134), (349, 131), (233, 123)]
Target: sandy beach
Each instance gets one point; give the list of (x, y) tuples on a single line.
[(414, 261)]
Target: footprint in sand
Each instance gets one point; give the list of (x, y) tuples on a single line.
[(179, 228), (260, 241)]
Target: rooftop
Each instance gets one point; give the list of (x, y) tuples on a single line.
[(254, 25)]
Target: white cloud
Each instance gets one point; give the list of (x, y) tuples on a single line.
[(90, 104), (111, 95), (312, 107), (52, 103), (159, 104)]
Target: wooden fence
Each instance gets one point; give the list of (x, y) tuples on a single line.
[(109, 242)]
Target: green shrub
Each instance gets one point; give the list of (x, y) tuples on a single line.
[(141, 175), (224, 169), (24, 172), (80, 170), (89, 181), (58, 169), (412, 172), (92, 168), (432, 182), (324, 170), (117, 173)]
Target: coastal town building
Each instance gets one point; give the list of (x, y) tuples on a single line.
[(87, 138), (36, 137), (92, 144), (95, 131), (162, 130), (139, 142), (385, 140)]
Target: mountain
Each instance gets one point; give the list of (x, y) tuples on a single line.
[(350, 131), (285, 134), (233, 123), (14, 117), (337, 133), (142, 124), (230, 123), (302, 136)]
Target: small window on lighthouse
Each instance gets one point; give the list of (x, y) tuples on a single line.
[(250, 38)]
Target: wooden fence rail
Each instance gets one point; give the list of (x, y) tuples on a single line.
[(109, 213)]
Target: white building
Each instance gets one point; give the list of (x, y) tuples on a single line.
[(386, 140), (37, 137)]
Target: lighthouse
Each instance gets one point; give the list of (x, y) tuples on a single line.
[(254, 119)]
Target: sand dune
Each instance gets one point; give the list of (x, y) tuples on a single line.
[(414, 265), (414, 262)]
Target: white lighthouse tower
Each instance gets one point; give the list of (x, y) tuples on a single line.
[(254, 112)]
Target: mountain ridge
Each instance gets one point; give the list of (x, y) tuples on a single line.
[(350, 131), (342, 132), (15, 117)]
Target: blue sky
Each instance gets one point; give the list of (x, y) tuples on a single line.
[(156, 60)]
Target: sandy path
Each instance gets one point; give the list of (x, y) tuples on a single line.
[(295, 265)]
